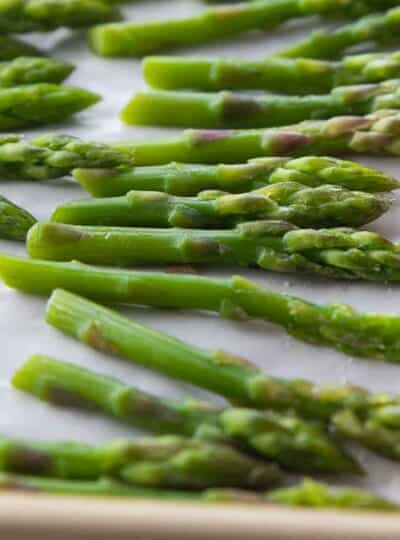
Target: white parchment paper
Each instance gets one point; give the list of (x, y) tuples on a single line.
[(22, 327)]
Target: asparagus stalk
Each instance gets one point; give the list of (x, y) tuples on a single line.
[(337, 325), (372, 428), (324, 206), (42, 15), (238, 381), (380, 28), (11, 48), (218, 371), (38, 104), (271, 245), (190, 179), (53, 156), (308, 494), (138, 39), (372, 134), (67, 385), (229, 110), (101, 328), (168, 461), (15, 222), (277, 74), (312, 494), (31, 70), (104, 487), (64, 459), (295, 444)]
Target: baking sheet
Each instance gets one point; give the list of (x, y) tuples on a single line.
[(23, 330)]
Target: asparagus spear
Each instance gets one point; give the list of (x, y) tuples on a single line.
[(103, 487), (53, 156), (312, 494), (189, 179), (30, 70), (372, 429), (229, 110), (372, 134), (337, 325), (380, 28), (64, 459), (67, 385), (15, 222), (278, 74), (43, 15), (292, 442), (276, 246), (11, 48), (168, 461), (308, 494), (37, 104), (324, 206), (137, 39), (295, 444), (220, 371)]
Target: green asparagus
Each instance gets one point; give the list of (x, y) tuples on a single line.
[(230, 110), (64, 459), (38, 104), (237, 380), (373, 134), (308, 494), (276, 246), (103, 487), (11, 48), (189, 179), (168, 461), (336, 325), (138, 39), (30, 70), (53, 156), (43, 15), (217, 371), (379, 430), (295, 444), (175, 462), (324, 206), (277, 74), (67, 385), (228, 375), (380, 28), (312, 494), (15, 222)]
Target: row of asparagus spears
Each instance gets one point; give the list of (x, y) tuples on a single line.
[(30, 84), (17, 16), (295, 69), (30, 90), (118, 39), (309, 192), (309, 494), (275, 426), (232, 447), (138, 39)]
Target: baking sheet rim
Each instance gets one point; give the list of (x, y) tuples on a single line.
[(24, 516)]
